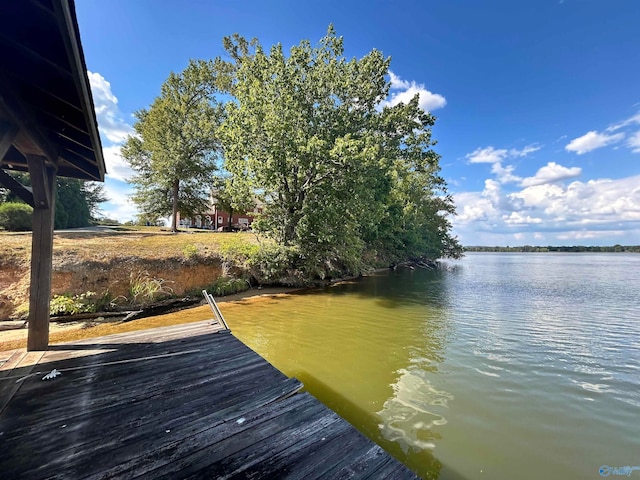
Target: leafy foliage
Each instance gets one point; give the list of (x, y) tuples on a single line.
[(73, 304), (339, 174), (175, 147), (346, 180), (15, 217), (77, 201), (228, 286)]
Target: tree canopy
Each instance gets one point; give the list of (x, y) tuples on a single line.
[(175, 148), (339, 174), (346, 179)]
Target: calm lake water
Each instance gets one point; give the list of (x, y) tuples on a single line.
[(505, 366)]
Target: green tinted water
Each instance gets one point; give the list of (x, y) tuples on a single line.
[(507, 366)]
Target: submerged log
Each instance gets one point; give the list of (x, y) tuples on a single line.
[(420, 263)]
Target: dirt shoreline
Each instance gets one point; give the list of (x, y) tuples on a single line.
[(83, 329)]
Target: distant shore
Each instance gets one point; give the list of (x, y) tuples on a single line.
[(561, 249)]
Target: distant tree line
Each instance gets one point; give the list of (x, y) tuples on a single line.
[(575, 248), (345, 179)]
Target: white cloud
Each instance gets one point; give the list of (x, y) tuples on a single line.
[(551, 213), (525, 151), (117, 167), (551, 172), (635, 119), (473, 206), (601, 201), (114, 131), (428, 101), (496, 156), (592, 140), (397, 83), (110, 122), (487, 155), (590, 234), (504, 174), (633, 142), (518, 218), (119, 207)]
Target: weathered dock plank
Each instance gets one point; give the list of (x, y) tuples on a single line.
[(172, 402)]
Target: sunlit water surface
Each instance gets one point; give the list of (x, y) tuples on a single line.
[(505, 366)]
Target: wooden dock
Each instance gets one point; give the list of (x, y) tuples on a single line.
[(171, 402)]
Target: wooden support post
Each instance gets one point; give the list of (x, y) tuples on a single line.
[(43, 180)]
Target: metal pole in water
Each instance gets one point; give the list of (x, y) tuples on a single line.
[(214, 308)]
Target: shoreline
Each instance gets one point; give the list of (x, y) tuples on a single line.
[(60, 332)]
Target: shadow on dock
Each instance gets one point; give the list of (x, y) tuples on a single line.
[(171, 402)]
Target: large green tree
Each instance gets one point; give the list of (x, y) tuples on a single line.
[(339, 173), (175, 149)]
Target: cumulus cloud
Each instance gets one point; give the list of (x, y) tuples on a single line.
[(492, 155), (495, 156), (487, 155), (397, 83), (110, 122), (590, 234), (551, 172), (119, 207), (114, 131), (518, 218), (554, 213), (601, 201), (592, 140), (117, 167), (472, 207), (504, 174), (406, 90)]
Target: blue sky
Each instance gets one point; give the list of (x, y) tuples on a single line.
[(538, 102)]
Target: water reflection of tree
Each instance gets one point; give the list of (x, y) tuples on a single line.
[(413, 312), (394, 288), (370, 350)]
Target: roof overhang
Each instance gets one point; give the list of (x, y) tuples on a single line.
[(46, 106)]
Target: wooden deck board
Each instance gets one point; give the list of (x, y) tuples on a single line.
[(171, 402)]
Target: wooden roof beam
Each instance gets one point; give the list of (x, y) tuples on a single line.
[(22, 192), (22, 50), (26, 121), (76, 160), (7, 133), (67, 20)]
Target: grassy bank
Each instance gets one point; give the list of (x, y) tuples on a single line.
[(125, 266), (142, 242)]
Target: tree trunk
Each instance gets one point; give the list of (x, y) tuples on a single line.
[(230, 218), (174, 216)]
